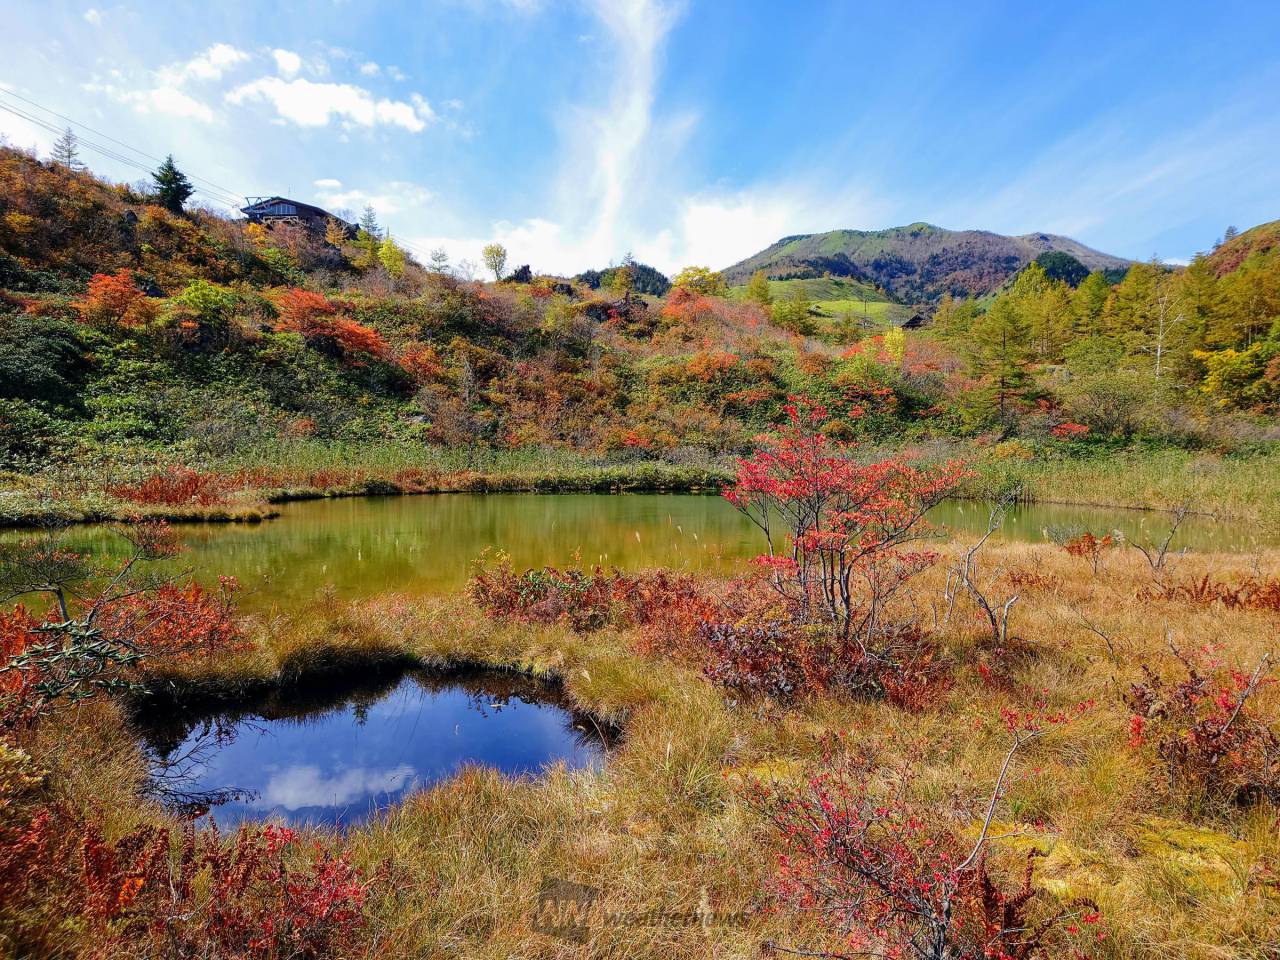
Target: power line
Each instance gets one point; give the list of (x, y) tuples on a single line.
[(213, 191), (231, 203), (99, 133)]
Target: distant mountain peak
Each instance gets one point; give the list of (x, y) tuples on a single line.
[(918, 262)]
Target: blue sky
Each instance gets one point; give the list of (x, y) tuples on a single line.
[(683, 132)]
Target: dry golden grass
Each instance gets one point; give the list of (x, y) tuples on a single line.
[(663, 828)]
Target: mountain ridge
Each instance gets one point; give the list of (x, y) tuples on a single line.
[(917, 262)]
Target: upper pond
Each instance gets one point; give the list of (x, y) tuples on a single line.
[(426, 544), (327, 753)]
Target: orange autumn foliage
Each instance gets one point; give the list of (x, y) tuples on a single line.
[(114, 298), (320, 322)]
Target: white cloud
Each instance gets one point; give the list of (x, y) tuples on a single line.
[(370, 69), (163, 92), (621, 165), (296, 788), (288, 63), (310, 104), (93, 16), (168, 101), (210, 65), (396, 74), (329, 184)]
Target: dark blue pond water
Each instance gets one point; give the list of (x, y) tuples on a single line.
[(338, 756)]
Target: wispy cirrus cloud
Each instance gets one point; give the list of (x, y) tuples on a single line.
[(624, 174)]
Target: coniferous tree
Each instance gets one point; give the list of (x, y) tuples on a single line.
[(335, 233), (173, 189), (758, 289), (1000, 354), (391, 257), (66, 150), (1089, 302), (369, 222)]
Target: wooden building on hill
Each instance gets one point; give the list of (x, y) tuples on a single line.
[(272, 210)]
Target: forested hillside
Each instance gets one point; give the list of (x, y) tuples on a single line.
[(1162, 351)]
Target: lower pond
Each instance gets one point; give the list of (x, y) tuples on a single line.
[(326, 753), (426, 544)]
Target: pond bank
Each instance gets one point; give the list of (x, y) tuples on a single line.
[(1228, 488), (256, 504)]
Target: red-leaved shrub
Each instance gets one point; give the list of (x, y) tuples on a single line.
[(257, 895), (1202, 729), (886, 879)]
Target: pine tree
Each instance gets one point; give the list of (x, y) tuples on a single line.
[(173, 189), (66, 150), (758, 289)]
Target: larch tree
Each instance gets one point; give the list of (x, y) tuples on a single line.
[(391, 257), (1088, 303), (66, 150), (335, 233), (1000, 355), (758, 289), (173, 189)]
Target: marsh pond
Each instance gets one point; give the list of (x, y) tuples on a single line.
[(338, 753)]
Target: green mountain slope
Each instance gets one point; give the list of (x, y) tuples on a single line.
[(916, 263), (834, 297)]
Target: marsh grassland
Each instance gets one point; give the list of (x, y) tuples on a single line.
[(684, 858)]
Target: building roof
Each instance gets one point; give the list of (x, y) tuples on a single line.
[(281, 207)]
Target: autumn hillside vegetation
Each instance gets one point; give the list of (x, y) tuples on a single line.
[(143, 343)]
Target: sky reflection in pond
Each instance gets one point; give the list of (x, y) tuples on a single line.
[(337, 756)]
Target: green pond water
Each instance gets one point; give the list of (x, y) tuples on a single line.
[(426, 544)]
